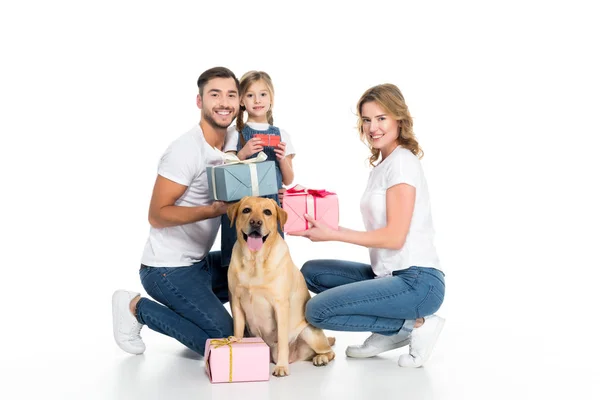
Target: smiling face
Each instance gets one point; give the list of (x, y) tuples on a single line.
[(257, 100), (219, 102), (256, 220), (379, 127)]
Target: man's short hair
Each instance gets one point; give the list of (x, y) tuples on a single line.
[(216, 72)]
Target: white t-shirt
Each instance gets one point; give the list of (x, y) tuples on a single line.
[(231, 141), (185, 162), (401, 166)]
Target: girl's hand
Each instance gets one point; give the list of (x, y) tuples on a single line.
[(251, 147), (280, 151), (317, 233)]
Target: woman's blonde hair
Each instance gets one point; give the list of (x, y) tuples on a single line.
[(248, 79), (389, 97)]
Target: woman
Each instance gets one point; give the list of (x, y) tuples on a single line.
[(396, 296)]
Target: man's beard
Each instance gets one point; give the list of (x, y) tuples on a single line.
[(207, 116)]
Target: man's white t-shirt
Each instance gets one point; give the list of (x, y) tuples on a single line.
[(185, 162), (233, 136), (401, 166)]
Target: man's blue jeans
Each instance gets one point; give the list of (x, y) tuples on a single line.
[(190, 302), (351, 299)]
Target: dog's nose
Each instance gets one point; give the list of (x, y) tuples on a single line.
[(255, 222)]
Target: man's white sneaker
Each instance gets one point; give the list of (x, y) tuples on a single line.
[(377, 343), (422, 341), (126, 328)]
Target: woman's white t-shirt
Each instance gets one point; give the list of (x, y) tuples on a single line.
[(401, 166)]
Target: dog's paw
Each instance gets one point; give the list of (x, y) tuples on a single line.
[(320, 360), (331, 340), (281, 370)]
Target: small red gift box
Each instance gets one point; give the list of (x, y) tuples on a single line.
[(319, 204), (268, 140)]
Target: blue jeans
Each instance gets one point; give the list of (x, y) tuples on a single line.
[(351, 299), (190, 302)]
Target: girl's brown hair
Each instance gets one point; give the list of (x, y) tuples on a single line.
[(248, 79)]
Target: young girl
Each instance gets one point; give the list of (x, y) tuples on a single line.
[(398, 307), (256, 98)]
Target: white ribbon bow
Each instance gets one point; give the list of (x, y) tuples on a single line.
[(232, 159)]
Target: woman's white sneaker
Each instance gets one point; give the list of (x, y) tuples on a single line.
[(422, 341), (126, 327), (377, 343)]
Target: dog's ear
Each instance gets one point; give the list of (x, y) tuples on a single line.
[(281, 215), (232, 211)]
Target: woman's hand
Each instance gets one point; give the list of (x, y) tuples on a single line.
[(280, 151), (318, 232), (251, 147)]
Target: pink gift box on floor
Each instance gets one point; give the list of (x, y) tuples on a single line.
[(243, 361), (319, 204)]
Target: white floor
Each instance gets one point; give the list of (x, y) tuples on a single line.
[(82, 362)]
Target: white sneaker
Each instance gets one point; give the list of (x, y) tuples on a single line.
[(422, 341), (378, 343), (126, 328)]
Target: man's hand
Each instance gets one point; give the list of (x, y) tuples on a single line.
[(219, 208), (251, 147)]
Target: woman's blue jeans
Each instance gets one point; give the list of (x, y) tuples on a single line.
[(350, 298), (189, 302)]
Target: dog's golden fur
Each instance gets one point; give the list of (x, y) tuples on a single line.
[(267, 291)]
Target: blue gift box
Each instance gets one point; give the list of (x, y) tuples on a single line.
[(231, 182)]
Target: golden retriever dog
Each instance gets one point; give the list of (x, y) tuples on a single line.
[(267, 291)]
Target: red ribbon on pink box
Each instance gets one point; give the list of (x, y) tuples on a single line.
[(318, 203)]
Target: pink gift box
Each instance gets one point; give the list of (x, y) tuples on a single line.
[(243, 361), (320, 204)]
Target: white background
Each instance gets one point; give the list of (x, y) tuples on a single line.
[(504, 95)]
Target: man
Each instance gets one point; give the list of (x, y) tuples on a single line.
[(187, 282)]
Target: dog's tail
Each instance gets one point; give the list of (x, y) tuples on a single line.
[(331, 340)]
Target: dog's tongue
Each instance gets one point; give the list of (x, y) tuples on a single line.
[(254, 243)]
